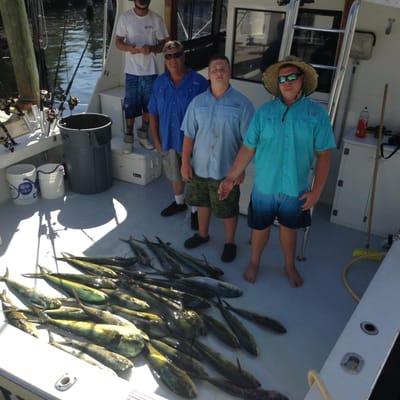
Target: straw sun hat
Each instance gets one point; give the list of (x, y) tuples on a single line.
[(270, 75)]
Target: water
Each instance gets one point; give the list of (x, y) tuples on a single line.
[(78, 31)]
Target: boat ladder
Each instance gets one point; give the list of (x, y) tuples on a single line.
[(346, 36)]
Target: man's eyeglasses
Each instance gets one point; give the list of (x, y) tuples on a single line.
[(179, 54), (289, 78)]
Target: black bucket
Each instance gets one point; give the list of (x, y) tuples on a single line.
[(87, 152)]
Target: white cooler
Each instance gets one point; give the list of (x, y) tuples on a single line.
[(140, 167)]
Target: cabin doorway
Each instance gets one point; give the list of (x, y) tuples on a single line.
[(201, 26)]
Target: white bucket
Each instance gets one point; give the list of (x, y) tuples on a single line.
[(51, 181), (22, 183)]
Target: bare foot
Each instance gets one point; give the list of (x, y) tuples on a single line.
[(294, 277), (251, 272)]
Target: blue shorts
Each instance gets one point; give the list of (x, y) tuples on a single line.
[(264, 208), (137, 94)]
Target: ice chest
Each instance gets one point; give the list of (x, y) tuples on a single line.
[(140, 167)]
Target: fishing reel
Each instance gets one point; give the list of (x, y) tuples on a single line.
[(45, 98), (51, 114), (72, 102), (10, 106)]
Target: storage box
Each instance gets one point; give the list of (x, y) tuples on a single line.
[(140, 167)]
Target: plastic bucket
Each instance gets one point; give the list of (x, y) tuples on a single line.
[(51, 181), (22, 182)]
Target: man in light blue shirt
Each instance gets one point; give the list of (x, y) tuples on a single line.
[(214, 126), (284, 137), (172, 92)]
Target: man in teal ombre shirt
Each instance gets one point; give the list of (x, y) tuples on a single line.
[(284, 136)]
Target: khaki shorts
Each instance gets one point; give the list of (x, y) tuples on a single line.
[(203, 192), (172, 161)]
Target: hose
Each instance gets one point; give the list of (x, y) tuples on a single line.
[(314, 378), (373, 256)]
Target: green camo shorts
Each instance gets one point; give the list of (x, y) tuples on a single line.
[(203, 192)]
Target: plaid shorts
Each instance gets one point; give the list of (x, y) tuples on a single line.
[(203, 192)]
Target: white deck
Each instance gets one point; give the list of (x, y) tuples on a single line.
[(314, 315)]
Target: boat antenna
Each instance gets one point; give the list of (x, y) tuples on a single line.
[(61, 106)]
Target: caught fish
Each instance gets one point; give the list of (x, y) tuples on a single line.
[(183, 345), (85, 293), (173, 377), (115, 361), (103, 316), (221, 331), (259, 319), (164, 259), (228, 369), (246, 339), (98, 282), (16, 317), (180, 359), (125, 340), (120, 297), (64, 312), (29, 295), (88, 267), (246, 394), (139, 251), (109, 261), (220, 288), (188, 300), (79, 354), (154, 326)]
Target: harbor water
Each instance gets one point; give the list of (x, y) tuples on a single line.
[(77, 33)]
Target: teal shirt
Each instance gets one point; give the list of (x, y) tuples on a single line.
[(286, 140)]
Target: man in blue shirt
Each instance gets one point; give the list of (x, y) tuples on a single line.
[(284, 137), (172, 92), (214, 125)]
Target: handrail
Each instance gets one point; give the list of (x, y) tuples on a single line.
[(343, 60)]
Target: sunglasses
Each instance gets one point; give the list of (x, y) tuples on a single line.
[(289, 78), (179, 54)]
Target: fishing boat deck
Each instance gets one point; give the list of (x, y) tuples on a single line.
[(314, 314)]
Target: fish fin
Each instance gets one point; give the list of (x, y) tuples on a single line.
[(116, 340), (43, 318), (5, 276), (32, 275), (238, 364)]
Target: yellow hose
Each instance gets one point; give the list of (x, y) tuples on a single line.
[(314, 378), (365, 255)]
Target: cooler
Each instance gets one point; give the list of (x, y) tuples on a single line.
[(140, 167)]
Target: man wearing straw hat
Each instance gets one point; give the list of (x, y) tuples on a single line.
[(284, 136)]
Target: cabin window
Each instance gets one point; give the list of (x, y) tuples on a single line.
[(201, 26), (194, 19), (257, 42), (258, 35), (318, 48)]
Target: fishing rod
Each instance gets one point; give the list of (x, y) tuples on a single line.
[(8, 142), (61, 106), (52, 113), (5, 105)]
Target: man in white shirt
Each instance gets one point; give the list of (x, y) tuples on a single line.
[(141, 33)]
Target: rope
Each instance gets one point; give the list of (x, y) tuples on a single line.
[(314, 378)]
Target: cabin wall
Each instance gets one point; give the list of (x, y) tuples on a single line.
[(371, 75)]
